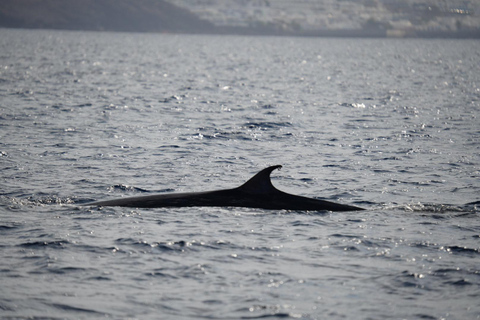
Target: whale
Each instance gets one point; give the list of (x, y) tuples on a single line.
[(258, 192)]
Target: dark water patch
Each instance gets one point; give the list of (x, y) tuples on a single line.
[(208, 102), (337, 166), (213, 302), (424, 316), (170, 149), (347, 248), (462, 250), (192, 246), (472, 207), (69, 308), (32, 318), (196, 271), (162, 273), (132, 242), (122, 187), (367, 205), (407, 280), (268, 106), (173, 98), (373, 244), (60, 244), (391, 158), (476, 203), (99, 278), (300, 224), (95, 213), (279, 315), (381, 170), (221, 135), (267, 125), (174, 246), (4, 228), (424, 244), (443, 271), (468, 228), (459, 283), (220, 245), (160, 222), (356, 220), (320, 222), (82, 105), (348, 236), (468, 214), (84, 201), (434, 217), (65, 270), (456, 277), (6, 306), (167, 147)]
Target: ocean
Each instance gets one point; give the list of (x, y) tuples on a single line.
[(389, 125)]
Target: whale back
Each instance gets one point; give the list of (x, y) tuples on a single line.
[(258, 192)]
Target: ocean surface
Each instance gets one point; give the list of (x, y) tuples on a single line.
[(390, 125)]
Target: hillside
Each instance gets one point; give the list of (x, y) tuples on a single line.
[(101, 15)]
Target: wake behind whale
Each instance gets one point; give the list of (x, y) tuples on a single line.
[(258, 192)]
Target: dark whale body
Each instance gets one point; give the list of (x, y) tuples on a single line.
[(258, 192)]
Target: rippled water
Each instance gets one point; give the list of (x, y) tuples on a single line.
[(389, 125)]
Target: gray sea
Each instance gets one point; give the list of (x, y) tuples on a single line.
[(390, 125)]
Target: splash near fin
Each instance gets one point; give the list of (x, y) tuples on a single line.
[(260, 183)]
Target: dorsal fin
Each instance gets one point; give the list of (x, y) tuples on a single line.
[(260, 183)]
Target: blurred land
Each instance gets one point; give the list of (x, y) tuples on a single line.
[(349, 18), (100, 15)]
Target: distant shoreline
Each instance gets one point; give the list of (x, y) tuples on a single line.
[(159, 16), (354, 33)]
